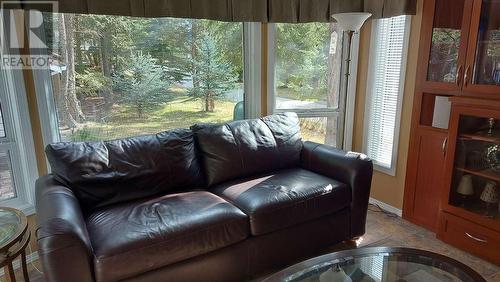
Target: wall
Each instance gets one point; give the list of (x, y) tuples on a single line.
[(386, 188)]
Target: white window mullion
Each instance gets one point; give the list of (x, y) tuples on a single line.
[(271, 68), (252, 69)]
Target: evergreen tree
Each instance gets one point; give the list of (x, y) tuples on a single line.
[(142, 84), (215, 75)]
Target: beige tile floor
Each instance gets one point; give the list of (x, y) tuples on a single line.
[(384, 230)]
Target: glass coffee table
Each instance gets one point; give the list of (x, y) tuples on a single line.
[(14, 238), (378, 264)]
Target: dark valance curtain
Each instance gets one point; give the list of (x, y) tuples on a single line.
[(287, 11)]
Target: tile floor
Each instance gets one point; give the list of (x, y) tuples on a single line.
[(390, 231)]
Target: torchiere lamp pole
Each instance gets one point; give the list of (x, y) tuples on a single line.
[(349, 23)]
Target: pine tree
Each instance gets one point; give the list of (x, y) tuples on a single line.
[(142, 84), (215, 75)]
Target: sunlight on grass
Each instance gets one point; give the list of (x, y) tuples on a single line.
[(182, 112)]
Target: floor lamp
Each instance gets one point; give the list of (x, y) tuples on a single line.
[(349, 23)]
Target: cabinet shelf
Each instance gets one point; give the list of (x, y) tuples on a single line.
[(485, 173), (480, 137)]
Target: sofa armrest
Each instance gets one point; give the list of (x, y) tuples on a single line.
[(64, 245), (351, 168)]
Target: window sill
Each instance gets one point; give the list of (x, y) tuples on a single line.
[(385, 170)]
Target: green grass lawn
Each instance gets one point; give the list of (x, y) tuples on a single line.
[(182, 112), (292, 94)]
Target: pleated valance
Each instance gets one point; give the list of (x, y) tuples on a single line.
[(287, 11)]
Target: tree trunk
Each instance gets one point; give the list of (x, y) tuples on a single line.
[(106, 69), (212, 103), (194, 36), (70, 110), (139, 111), (333, 82), (207, 101), (78, 48)]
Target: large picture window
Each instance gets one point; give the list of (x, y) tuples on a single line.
[(114, 77)]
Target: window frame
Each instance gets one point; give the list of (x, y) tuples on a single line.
[(19, 138), (392, 169), (252, 55), (348, 122)]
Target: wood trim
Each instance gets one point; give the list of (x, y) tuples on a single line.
[(474, 102), (36, 126)]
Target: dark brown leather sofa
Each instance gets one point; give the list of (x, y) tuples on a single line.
[(210, 203)]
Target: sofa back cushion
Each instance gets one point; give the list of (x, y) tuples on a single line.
[(103, 173), (245, 147)]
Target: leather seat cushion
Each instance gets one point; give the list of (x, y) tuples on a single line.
[(285, 198), (132, 238)]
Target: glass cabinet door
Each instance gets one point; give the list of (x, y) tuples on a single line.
[(475, 183), (448, 43), (483, 61)]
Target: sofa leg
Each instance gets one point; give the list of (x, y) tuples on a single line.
[(354, 242)]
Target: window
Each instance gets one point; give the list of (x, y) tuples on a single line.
[(7, 188), (17, 166), (305, 65), (115, 77), (2, 127), (385, 90)]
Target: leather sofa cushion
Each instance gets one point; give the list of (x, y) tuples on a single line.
[(285, 198), (136, 237), (103, 173), (245, 147)]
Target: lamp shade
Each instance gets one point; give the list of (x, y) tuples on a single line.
[(351, 21), (465, 186), (490, 193)]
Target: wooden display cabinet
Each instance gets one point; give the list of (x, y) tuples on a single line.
[(459, 59), (470, 216)]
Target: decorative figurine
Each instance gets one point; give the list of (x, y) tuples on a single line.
[(492, 156), (491, 124)]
